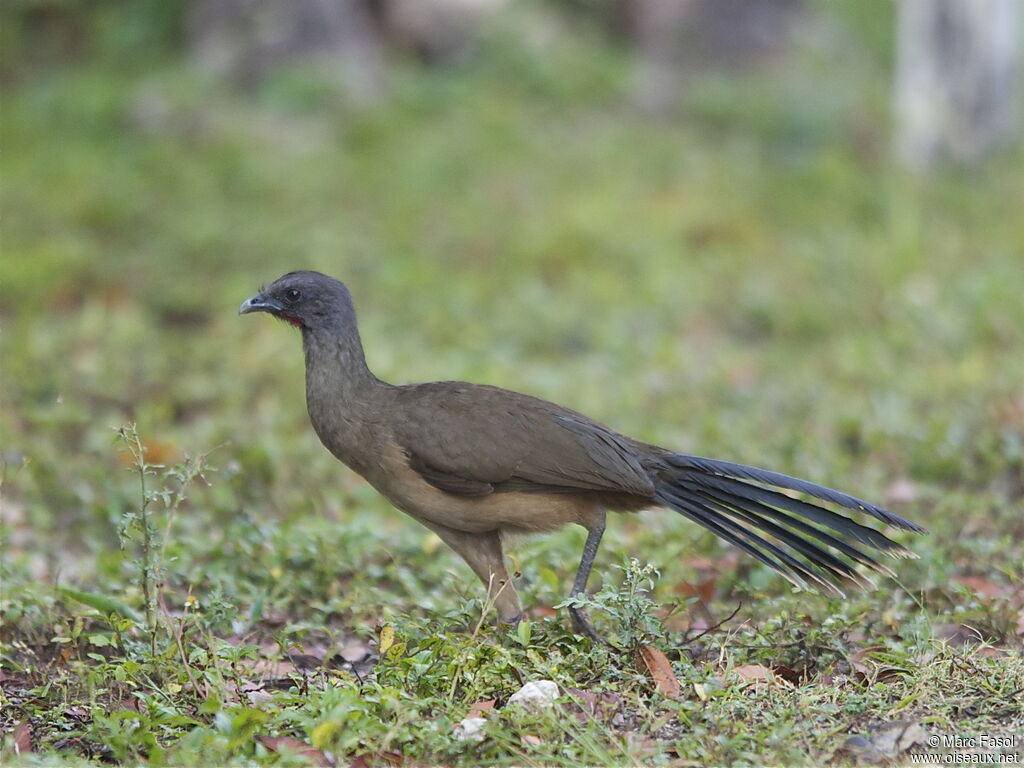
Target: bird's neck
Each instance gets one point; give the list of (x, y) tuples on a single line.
[(341, 391)]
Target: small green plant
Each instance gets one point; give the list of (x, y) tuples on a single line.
[(627, 603), (171, 492)]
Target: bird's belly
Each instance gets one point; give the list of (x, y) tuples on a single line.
[(526, 512)]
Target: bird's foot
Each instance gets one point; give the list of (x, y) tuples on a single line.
[(512, 621), (581, 625)]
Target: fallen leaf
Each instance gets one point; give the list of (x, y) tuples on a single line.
[(480, 708), (858, 659), (274, 617), (154, 452), (866, 669), (980, 585), (587, 704), (299, 747), (22, 738), (369, 759), (640, 742), (788, 674), (258, 695), (703, 590), (753, 672), (657, 665)]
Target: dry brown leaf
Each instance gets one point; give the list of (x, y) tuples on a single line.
[(601, 706), (257, 696), (857, 661), (130, 703), (481, 708), (657, 665), (370, 759), (288, 743), (22, 738), (868, 670), (703, 590), (753, 672), (154, 452), (788, 674), (980, 585), (273, 617), (639, 742)]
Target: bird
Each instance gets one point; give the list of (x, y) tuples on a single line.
[(475, 463)]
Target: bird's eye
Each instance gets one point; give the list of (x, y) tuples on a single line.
[(292, 294)]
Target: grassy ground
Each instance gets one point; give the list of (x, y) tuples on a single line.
[(753, 283)]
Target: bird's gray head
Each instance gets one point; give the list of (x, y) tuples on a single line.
[(310, 300)]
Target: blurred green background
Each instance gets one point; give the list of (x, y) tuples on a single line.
[(713, 249), (745, 274)]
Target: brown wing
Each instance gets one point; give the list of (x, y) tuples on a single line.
[(471, 439)]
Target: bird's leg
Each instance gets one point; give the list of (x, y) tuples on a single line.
[(483, 553), (580, 622)]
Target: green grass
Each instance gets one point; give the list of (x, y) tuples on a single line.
[(753, 283)]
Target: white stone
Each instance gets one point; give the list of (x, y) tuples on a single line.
[(470, 729), (535, 695)]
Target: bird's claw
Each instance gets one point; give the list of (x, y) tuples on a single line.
[(581, 625), (512, 622)]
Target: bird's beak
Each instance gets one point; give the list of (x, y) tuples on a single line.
[(259, 303)]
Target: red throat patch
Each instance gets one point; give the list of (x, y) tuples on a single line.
[(293, 320)]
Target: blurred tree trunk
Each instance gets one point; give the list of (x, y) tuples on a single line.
[(658, 27), (674, 37), (437, 30), (243, 39), (955, 80)]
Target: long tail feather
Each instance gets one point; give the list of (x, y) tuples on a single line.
[(779, 480), (719, 496)]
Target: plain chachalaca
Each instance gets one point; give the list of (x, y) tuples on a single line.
[(474, 462)]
